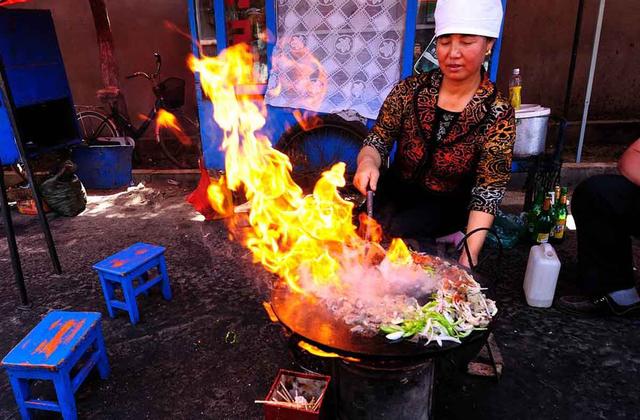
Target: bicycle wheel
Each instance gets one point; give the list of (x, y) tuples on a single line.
[(94, 124), (331, 139), (181, 149)]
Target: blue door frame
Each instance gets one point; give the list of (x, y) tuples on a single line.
[(279, 119)]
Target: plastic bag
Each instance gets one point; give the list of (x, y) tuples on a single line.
[(509, 228), (64, 192)]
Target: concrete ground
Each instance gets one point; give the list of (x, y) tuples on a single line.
[(212, 351)]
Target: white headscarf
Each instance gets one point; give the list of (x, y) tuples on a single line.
[(471, 17)]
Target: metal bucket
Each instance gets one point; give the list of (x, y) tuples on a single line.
[(531, 130)]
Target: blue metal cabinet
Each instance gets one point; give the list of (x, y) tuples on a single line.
[(8, 149), (214, 33), (36, 75)]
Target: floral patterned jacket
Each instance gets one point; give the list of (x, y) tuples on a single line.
[(475, 153)]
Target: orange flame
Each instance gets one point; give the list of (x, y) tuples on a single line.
[(173, 27), (220, 197), (321, 353), (398, 253), (369, 228), (270, 312), (299, 238), (305, 74), (307, 120), (167, 119)]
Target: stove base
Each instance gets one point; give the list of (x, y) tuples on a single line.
[(395, 390)]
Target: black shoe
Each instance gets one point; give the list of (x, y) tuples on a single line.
[(601, 306), (584, 305)]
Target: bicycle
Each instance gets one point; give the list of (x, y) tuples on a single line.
[(96, 127)]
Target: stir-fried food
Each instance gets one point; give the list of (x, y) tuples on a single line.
[(454, 308), (458, 308)]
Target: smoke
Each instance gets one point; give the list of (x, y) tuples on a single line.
[(368, 284)]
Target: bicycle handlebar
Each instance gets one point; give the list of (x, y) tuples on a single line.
[(158, 63), (138, 74), (146, 75)]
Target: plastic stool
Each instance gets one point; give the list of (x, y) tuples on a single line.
[(60, 342), (129, 265)]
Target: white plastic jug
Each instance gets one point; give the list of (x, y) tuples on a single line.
[(541, 277)]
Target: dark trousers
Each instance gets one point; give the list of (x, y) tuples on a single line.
[(606, 209), (407, 210)]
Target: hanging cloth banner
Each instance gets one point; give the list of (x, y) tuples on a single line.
[(334, 55)]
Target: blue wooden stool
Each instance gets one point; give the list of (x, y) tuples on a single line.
[(49, 352), (128, 266)]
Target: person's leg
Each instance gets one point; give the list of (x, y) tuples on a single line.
[(606, 214)]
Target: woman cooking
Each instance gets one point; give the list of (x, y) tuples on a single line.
[(454, 134)]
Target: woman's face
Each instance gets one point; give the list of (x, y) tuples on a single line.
[(460, 56)]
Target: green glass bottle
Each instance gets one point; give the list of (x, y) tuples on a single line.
[(560, 223), (532, 216), (544, 224)]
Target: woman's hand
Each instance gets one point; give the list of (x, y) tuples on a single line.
[(368, 171), (366, 177)]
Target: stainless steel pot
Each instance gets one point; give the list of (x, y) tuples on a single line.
[(531, 130)]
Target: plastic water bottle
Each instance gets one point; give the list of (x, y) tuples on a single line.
[(515, 89), (541, 277)]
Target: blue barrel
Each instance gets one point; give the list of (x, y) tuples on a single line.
[(104, 167)]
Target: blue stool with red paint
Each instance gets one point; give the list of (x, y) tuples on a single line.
[(130, 269), (62, 344)]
